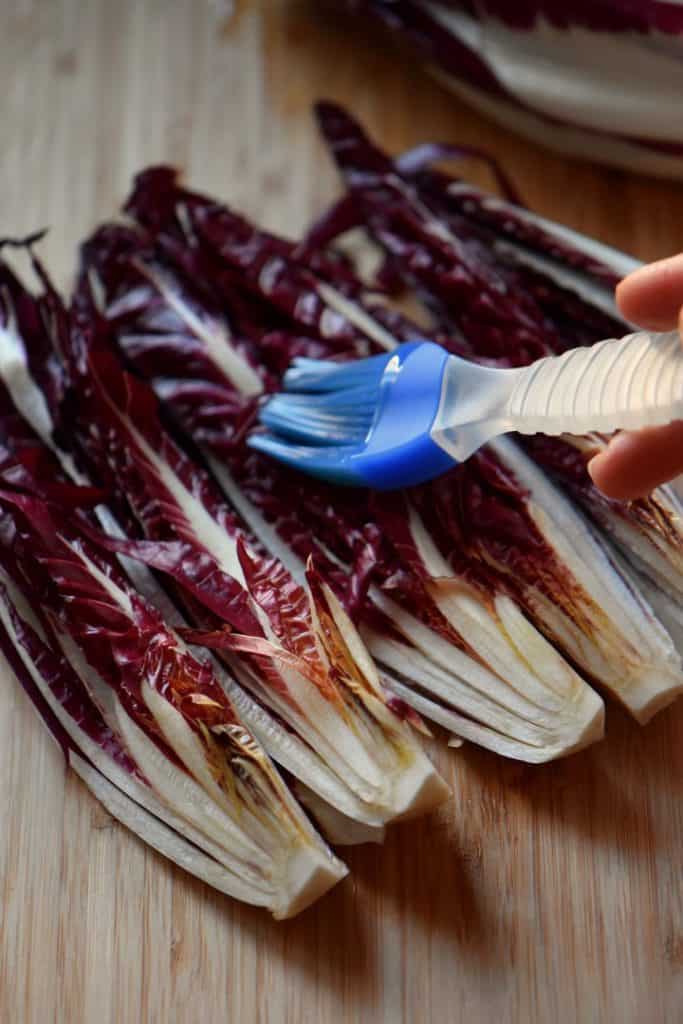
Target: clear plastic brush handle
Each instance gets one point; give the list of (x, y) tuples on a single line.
[(624, 383)]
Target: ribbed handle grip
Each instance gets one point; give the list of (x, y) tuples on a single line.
[(626, 383)]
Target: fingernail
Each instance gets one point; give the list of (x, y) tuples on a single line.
[(591, 464), (615, 445)]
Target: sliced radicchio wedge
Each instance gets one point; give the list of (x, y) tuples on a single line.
[(317, 703), (483, 689), (25, 319), (571, 280), (509, 314), (149, 729), (92, 749), (594, 79)]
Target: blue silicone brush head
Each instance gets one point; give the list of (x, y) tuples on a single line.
[(362, 424)]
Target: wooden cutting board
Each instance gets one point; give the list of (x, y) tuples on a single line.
[(548, 894)]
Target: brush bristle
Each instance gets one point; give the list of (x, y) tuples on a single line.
[(338, 417), (311, 376)]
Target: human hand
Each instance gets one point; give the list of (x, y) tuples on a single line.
[(633, 464)]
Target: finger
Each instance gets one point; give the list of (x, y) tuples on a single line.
[(633, 464), (653, 295)]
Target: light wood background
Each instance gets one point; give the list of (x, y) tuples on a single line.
[(550, 894)]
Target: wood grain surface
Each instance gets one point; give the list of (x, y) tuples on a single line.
[(548, 894)]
